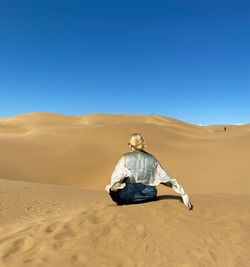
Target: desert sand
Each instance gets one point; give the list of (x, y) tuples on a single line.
[(54, 210)]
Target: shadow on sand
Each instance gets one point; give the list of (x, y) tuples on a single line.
[(174, 197), (162, 197)]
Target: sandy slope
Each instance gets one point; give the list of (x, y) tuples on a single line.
[(46, 225), (70, 225), (82, 150)]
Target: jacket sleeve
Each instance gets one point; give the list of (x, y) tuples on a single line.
[(119, 173), (165, 179)]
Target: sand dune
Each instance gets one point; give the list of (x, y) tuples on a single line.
[(54, 211), (59, 149)]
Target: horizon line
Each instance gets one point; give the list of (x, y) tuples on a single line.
[(130, 114)]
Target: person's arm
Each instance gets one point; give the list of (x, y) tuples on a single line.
[(168, 181), (120, 172)]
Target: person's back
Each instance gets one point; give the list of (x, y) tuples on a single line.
[(142, 165), (137, 174)]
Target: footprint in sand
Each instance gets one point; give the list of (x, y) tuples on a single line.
[(79, 258), (66, 232), (51, 228), (18, 246)]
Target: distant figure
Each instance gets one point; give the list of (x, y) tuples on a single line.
[(137, 174), (225, 128)]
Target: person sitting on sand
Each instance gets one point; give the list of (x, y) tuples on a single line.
[(137, 174)]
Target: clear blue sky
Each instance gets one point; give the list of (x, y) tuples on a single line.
[(184, 59)]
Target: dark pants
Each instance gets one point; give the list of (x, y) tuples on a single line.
[(133, 193)]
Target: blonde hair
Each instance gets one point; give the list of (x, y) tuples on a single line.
[(137, 141)]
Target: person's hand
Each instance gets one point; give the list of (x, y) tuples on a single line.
[(190, 206)]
